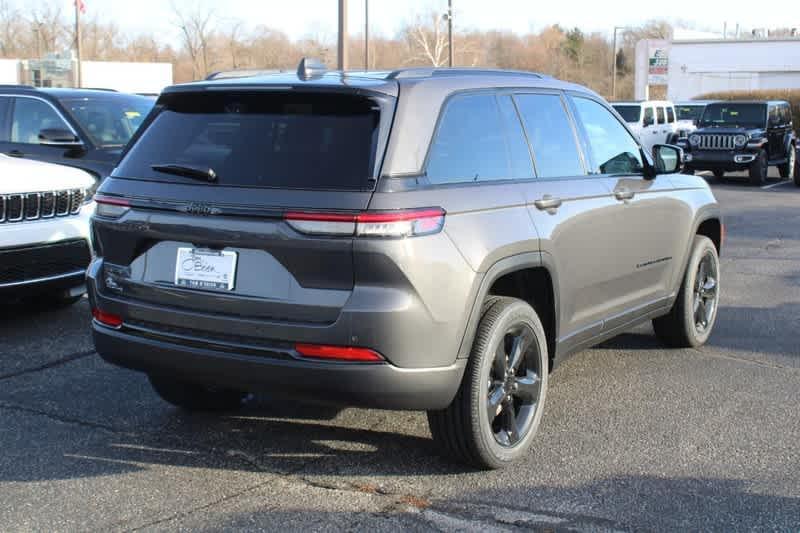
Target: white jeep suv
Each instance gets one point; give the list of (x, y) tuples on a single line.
[(653, 121), (45, 244)]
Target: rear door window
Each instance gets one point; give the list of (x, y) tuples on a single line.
[(470, 142), (278, 140), (670, 115), (551, 135), (660, 111)]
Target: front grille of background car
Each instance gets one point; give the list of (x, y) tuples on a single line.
[(717, 142), (37, 205), (18, 265)]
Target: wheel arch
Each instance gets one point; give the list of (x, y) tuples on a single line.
[(530, 277)]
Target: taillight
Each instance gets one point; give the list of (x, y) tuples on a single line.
[(338, 353), (110, 207), (381, 224), (107, 319)]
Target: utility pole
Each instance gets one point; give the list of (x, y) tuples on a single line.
[(342, 56), (450, 33), (366, 35), (79, 68), (614, 65)]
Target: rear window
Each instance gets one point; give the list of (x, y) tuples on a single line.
[(278, 140)]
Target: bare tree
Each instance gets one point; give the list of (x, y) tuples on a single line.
[(196, 29), (427, 40)]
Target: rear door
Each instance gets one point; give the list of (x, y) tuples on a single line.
[(573, 212), (663, 126), (271, 153), (649, 135)]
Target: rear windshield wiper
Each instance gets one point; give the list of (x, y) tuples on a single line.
[(189, 171)]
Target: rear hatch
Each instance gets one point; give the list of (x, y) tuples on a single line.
[(207, 187)]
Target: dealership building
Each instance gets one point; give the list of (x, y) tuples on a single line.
[(691, 67), (60, 70)]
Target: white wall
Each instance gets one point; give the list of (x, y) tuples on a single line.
[(127, 77), (697, 67), (9, 71)]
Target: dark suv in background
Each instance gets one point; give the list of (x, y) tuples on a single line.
[(751, 136), (82, 128), (426, 239)]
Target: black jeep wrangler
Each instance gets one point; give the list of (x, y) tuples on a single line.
[(736, 136)]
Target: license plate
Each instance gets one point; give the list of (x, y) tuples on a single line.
[(198, 268)]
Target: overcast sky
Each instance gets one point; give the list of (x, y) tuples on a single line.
[(299, 18)]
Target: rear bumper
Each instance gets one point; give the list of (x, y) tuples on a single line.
[(378, 385)]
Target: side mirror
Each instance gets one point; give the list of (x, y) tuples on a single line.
[(59, 137), (667, 159)]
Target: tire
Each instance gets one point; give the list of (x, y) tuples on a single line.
[(683, 326), (194, 397), (787, 170), (465, 431), (759, 168), (719, 174), (796, 169)]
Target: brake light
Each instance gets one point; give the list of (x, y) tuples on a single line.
[(398, 224), (107, 319), (110, 207), (338, 353)]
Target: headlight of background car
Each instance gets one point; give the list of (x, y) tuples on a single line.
[(694, 140), (740, 140)]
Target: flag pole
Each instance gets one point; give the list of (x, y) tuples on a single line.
[(79, 69)]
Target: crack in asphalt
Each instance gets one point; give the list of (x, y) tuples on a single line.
[(58, 362), (63, 419)]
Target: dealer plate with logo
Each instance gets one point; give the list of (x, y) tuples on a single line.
[(199, 268)]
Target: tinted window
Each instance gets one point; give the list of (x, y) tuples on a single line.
[(519, 151), (690, 112), (670, 115), (613, 150), (300, 141), (629, 113), (734, 115), (470, 143), (660, 111), (110, 122), (551, 135), (32, 116), (648, 116)]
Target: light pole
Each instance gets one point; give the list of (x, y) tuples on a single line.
[(614, 64), (450, 33), (342, 52), (366, 35)]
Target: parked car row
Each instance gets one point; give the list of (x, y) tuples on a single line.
[(721, 136), (45, 244)]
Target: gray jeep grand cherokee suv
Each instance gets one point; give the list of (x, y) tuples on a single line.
[(421, 239)]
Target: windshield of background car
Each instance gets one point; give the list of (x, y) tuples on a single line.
[(629, 113), (689, 112), (734, 116), (109, 120), (318, 141)]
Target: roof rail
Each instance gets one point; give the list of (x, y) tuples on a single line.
[(99, 89), (428, 72), (242, 73), (16, 86)]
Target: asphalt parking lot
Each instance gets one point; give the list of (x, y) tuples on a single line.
[(634, 437)]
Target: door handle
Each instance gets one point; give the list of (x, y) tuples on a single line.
[(547, 202), (16, 153), (624, 194)]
